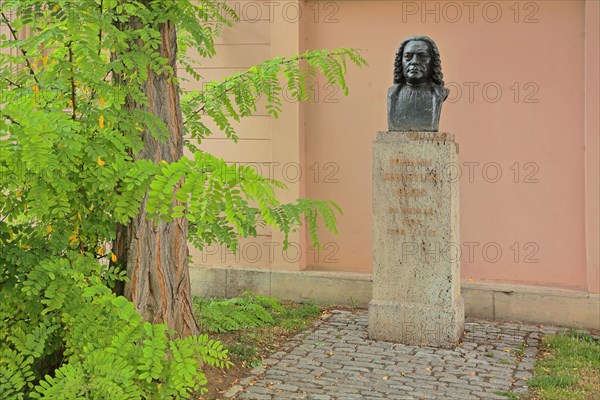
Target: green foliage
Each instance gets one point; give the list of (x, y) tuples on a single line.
[(224, 201), (64, 310), (69, 176), (226, 315), (237, 96), (248, 338), (250, 311)]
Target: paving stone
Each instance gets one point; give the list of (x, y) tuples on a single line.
[(254, 396), (232, 391), (337, 361)]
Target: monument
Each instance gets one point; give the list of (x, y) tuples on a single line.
[(416, 248)]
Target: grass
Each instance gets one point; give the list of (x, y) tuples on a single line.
[(242, 351), (509, 395), (520, 352), (569, 368)]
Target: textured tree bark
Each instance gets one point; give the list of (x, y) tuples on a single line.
[(156, 253)]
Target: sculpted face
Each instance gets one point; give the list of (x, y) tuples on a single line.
[(416, 62)]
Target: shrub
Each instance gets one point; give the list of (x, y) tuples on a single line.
[(62, 319)]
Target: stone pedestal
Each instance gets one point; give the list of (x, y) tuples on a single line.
[(416, 247)]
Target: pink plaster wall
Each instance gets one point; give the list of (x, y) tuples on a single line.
[(592, 141), (540, 130)]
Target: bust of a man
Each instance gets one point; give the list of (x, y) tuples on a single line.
[(415, 100)]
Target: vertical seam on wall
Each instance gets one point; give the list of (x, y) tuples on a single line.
[(226, 282), (270, 281), (493, 305)]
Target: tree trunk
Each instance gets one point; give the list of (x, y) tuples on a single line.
[(156, 253)]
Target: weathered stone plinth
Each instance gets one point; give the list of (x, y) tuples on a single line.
[(416, 247)]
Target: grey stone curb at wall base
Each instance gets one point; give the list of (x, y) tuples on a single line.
[(492, 301)]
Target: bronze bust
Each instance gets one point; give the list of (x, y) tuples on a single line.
[(415, 100)]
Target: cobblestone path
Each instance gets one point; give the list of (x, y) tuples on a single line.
[(337, 361)]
